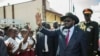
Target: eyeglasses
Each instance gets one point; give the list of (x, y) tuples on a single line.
[(87, 14)]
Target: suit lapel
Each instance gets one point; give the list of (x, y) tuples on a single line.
[(71, 41), (73, 37), (62, 39)]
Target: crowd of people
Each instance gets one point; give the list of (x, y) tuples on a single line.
[(72, 38)]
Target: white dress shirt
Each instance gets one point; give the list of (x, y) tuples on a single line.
[(46, 45), (65, 31)]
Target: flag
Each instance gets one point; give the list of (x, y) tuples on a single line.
[(73, 8)]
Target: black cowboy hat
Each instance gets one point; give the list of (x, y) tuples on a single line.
[(72, 16)]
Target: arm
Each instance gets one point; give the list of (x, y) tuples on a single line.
[(47, 32), (41, 28), (33, 42), (3, 50), (96, 36)]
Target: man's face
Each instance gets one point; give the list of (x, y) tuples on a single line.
[(31, 33), (23, 33), (87, 17), (13, 33), (68, 22)]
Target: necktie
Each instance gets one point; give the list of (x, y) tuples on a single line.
[(67, 37)]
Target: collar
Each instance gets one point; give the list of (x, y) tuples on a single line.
[(65, 30), (72, 28)]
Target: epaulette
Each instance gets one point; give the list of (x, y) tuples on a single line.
[(82, 25)]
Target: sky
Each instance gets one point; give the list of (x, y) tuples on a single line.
[(59, 6), (62, 6), (5, 2)]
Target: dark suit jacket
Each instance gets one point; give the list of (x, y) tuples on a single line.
[(40, 46), (3, 50), (92, 32), (77, 45)]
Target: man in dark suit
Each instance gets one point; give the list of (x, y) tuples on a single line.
[(92, 31), (55, 38), (44, 46), (3, 49), (72, 41)]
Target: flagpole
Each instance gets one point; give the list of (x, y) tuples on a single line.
[(69, 5)]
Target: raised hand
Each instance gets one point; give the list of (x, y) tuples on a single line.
[(38, 19)]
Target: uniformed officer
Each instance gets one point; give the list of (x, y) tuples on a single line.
[(91, 30)]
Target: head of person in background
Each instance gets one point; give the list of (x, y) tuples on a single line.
[(27, 25), (55, 25), (6, 30), (31, 33), (13, 32), (87, 14), (23, 32), (48, 26), (44, 24), (69, 20)]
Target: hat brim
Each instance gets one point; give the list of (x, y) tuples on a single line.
[(74, 17)]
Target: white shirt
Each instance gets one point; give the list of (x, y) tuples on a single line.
[(13, 42), (46, 45), (65, 31), (30, 41)]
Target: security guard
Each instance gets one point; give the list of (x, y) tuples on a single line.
[(92, 32)]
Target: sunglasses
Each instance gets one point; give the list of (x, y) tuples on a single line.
[(67, 20)]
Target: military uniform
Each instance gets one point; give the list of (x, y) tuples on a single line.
[(92, 32)]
